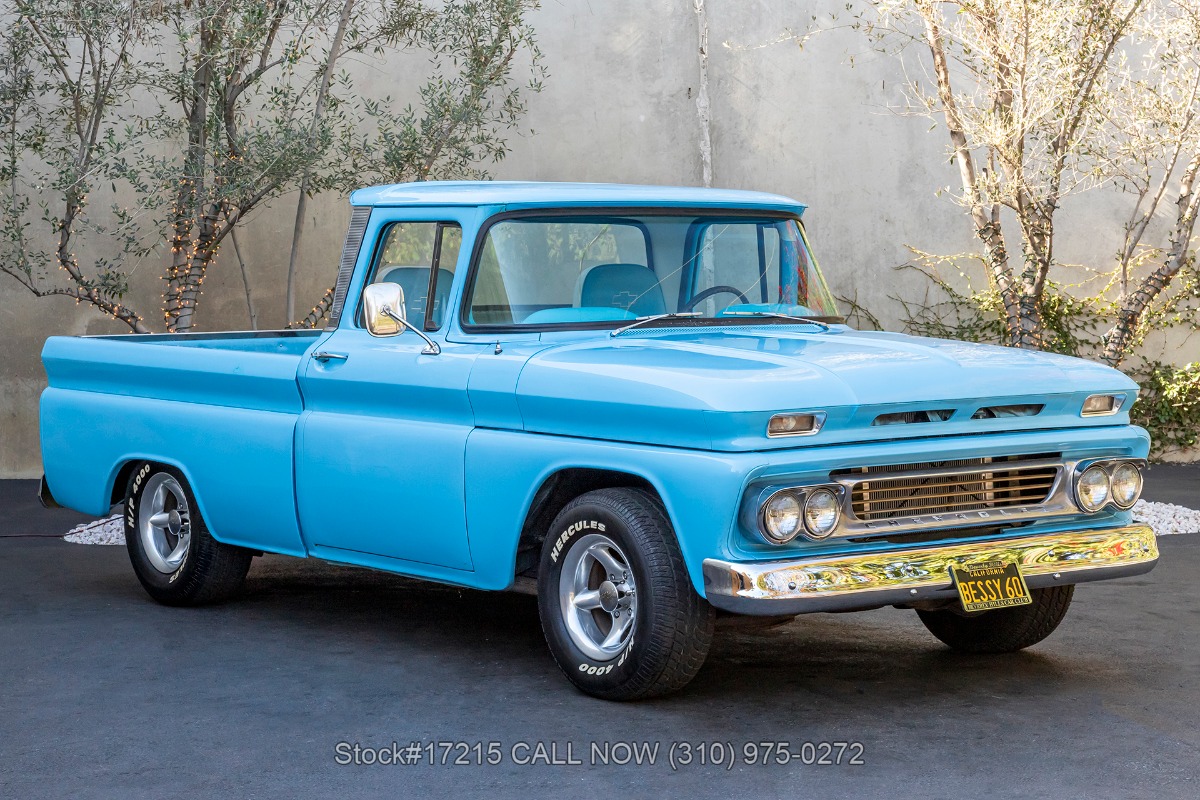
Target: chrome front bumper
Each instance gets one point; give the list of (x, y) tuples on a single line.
[(871, 580)]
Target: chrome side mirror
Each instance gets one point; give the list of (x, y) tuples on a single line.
[(383, 308)]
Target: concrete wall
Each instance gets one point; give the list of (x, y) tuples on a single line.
[(620, 104)]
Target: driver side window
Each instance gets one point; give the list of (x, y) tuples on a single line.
[(742, 256), (421, 258)]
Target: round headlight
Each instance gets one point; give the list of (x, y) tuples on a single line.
[(821, 513), (1092, 488), (781, 517), (1126, 485)]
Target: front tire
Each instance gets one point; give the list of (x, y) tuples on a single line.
[(1004, 630), (616, 603), (176, 559)]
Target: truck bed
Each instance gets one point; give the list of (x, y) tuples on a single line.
[(225, 403)]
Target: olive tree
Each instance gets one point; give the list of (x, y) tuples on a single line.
[(140, 132), (63, 68), (1043, 99), (457, 127), (1155, 153)]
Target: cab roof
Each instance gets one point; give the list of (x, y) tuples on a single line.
[(536, 194)]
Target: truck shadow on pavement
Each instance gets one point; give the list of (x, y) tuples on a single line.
[(852, 659)]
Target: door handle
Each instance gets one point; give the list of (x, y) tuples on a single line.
[(324, 355)]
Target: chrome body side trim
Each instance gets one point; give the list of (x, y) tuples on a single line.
[(871, 580), (164, 336)]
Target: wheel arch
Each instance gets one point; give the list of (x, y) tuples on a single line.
[(119, 482), (512, 493), (556, 490), (118, 478), (120, 474)]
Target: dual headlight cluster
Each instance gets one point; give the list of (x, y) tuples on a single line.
[(814, 511), (1116, 482)]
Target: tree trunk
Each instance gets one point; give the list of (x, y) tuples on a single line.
[(1028, 334), (191, 187), (987, 225), (237, 251), (317, 313), (82, 290), (203, 252), (1119, 340), (335, 48)]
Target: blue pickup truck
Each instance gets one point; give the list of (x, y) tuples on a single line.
[(638, 402)]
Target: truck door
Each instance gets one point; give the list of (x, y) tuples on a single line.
[(380, 444)]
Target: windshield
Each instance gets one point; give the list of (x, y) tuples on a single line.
[(567, 271)]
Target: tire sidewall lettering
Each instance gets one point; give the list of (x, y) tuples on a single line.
[(135, 496), (141, 475), (673, 626), (567, 534), (591, 668)]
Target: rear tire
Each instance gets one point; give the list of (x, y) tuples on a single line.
[(176, 559), (1005, 630), (617, 606)]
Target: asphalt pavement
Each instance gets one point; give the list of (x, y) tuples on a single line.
[(21, 513), (1173, 483), (103, 693)]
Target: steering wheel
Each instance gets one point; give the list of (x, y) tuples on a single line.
[(712, 291)]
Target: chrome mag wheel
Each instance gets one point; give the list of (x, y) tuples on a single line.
[(597, 597), (164, 522)]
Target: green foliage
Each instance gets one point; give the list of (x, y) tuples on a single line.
[(148, 130), (457, 128), (1073, 326), (1169, 404)]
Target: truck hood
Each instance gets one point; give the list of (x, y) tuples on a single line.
[(716, 388)]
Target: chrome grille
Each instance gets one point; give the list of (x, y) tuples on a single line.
[(948, 487)]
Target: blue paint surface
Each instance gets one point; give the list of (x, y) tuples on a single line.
[(428, 465), (528, 194)]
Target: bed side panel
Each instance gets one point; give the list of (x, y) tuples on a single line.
[(225, 418)]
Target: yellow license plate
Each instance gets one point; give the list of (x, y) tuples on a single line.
[(993, 584)]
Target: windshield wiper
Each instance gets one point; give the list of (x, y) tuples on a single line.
[(653, 318), (777, 315)]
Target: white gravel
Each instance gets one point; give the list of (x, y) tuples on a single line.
[(102, 531), (1165, 518)]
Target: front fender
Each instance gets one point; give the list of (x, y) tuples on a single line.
[(504, 469)]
